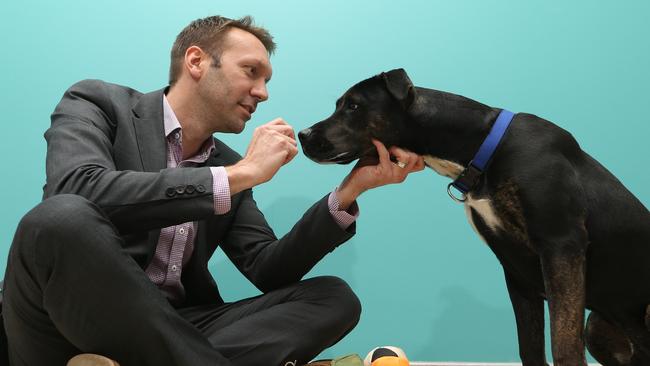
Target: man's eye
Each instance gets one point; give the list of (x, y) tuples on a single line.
[(353, 106)]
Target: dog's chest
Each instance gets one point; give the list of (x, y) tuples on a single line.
[(484, 208), (498, 214)]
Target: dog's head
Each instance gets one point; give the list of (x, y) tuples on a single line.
[(374, 108)]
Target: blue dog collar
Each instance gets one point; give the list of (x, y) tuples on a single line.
[(467, 180)]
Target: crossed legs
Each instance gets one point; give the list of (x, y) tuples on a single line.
[(70, 288)]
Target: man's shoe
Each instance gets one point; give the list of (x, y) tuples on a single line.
[(89, 359)]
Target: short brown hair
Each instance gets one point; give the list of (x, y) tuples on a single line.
[(209, 34)]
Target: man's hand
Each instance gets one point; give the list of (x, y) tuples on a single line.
[(364, 177), (273, 145)]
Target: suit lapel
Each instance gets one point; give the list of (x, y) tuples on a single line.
[(150, 131)]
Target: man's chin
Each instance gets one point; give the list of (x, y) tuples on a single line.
[(237, 126)]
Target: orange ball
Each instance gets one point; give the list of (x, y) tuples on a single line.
[(390, 361), (386, 356)]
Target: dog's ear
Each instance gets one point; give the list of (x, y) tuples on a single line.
[(400, 86)]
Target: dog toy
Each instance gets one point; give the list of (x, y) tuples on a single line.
[(386, 356)]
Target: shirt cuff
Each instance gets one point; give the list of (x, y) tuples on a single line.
[(343, 218), (220, 190)]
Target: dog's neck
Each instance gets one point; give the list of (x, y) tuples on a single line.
[(453, 127)]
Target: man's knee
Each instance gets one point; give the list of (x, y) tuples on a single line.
[(58, 209), (56, 219), (343, 303)]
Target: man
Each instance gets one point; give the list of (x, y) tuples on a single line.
[(138, 196)]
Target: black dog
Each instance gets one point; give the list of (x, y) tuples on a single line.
[(563, 227)]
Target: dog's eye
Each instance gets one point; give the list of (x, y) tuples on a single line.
[(353, 106)]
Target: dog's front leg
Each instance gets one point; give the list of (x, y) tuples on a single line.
[(563, 268), (529, 314)]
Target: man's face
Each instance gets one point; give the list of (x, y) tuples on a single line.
[(231, 91)]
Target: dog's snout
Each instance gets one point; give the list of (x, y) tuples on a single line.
[(304, 134)]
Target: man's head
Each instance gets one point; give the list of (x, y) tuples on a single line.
[(222, 65), (209, 34)]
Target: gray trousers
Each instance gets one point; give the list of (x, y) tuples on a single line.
[(70, 288)]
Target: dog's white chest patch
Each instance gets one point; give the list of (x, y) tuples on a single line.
[(483, 208)]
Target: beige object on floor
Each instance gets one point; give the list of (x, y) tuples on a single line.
[(89, 359)]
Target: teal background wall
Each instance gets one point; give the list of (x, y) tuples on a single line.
[(427, 283)]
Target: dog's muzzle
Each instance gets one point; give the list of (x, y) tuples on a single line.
[(303, 135)]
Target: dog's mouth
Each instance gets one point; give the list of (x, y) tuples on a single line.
[(345, 157), (323, 150), (366, 157)]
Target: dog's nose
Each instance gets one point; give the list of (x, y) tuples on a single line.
[(304, 134)]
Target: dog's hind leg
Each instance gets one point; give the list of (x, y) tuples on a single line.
[(626, 344), (606, 342)]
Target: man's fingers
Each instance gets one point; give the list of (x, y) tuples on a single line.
[(413, 161), (401, 154), (419, 164), (407, 160), (291, 153), (384, 156), (277, 121), (280, 125), (284, 129), (290, 139)]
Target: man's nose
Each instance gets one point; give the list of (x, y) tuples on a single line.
[(260, 92)]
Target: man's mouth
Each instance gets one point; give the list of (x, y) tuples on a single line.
[(248, 107)]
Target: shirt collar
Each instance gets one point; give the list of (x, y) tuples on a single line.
[(172, 125), (171, 122)]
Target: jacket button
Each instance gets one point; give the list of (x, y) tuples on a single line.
[(180, 189), (189, 189), (170, 192), (200, 188)]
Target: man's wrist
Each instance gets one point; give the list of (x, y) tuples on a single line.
[(240, 178), (346, 195)]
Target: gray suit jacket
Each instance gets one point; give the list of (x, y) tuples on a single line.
[(107, 144)]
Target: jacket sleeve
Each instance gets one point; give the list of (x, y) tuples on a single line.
[(80, 160), (269, 262)]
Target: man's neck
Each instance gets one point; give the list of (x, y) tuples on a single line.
[(194, 132)]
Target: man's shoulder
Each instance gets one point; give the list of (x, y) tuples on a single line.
[(91, 98), (102, 89)]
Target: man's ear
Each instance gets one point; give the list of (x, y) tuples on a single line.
[(196, 61), (400, 86)]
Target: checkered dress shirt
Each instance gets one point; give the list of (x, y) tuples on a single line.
[(176, 243)]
